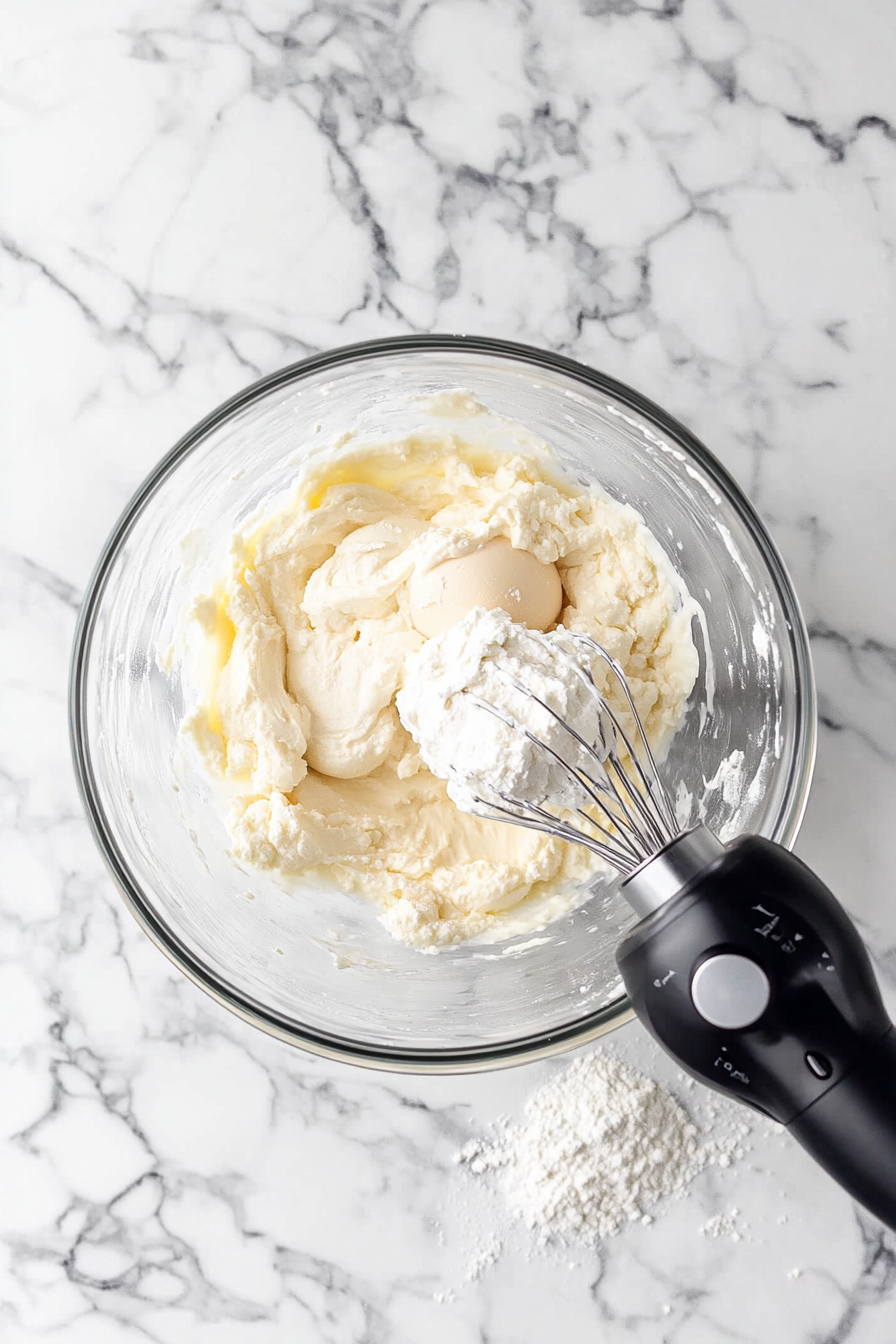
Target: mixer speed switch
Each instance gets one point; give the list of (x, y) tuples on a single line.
[(730, 991)]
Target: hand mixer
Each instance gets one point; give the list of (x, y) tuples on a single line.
[(744, 966)]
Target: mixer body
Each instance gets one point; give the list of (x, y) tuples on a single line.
[(756, 981)]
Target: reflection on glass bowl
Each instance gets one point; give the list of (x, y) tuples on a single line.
[(316, 968)]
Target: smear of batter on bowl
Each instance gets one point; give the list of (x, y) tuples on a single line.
[(298, 654)]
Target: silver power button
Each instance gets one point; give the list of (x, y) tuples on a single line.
[(730, 991)]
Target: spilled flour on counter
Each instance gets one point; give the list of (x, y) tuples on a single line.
[(724, 1225), (599, 1145)]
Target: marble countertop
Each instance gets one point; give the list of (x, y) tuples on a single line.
[(696, 196)]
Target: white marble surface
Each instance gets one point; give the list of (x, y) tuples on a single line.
[(698, 196)]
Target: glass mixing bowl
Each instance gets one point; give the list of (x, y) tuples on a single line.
[(315, 967)]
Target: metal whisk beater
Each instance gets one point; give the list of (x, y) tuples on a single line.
[(629, 815)]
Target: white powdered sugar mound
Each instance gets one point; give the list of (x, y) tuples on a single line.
[(599, 1146)]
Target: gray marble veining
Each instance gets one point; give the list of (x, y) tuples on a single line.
[(697, 196)]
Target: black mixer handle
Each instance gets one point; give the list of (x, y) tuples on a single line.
[(754, 978)]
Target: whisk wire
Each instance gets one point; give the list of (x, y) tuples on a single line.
[(579, 778), (553, 827), (653, 782), (593, 785), (607, 762), (629, 808)]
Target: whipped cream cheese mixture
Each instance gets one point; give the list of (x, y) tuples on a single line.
[(300, 650)]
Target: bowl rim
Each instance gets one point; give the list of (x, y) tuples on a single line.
[(467, 1059)]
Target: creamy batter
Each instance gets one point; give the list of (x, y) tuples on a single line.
[(301, 648)]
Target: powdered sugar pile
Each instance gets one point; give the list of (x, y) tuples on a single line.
[(724, 1225), (600, 1145)]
